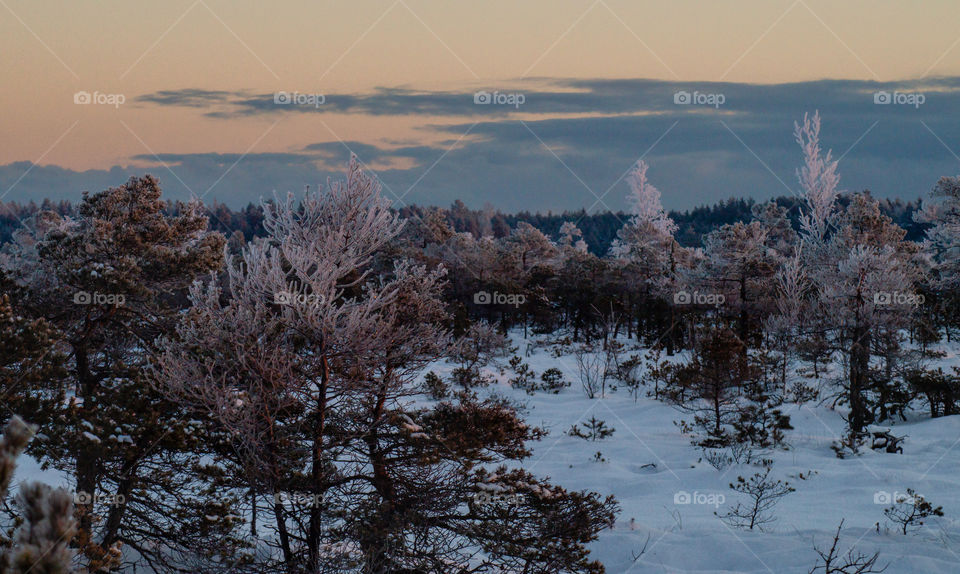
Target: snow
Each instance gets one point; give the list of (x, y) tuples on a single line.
[(649, 461)]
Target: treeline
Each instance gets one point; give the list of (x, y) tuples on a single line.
[(599, 229)]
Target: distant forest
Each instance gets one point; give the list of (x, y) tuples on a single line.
[(599, 229)]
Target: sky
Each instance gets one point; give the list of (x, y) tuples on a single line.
[(539, 105)]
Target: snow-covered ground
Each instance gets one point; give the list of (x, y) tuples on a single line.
[(649, 463)]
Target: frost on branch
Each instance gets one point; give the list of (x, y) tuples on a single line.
[(943, 238), (818, 179), (646, 241), (645, 202), (42, 542)]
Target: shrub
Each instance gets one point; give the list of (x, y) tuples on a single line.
[(435, 387), (553, 380), (525, 379), (909, 512)]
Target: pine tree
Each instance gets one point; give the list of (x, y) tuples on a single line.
[(741, 261), (107, 283), (709, 385), (818, 179), (943, 238), (867, 292), (647, 238), (308, 361), (859, 265)]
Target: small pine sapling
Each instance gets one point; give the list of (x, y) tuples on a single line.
[(762, 495), (628, 373), (909, 512), (526, 377), (760, 422), (594, 429), (553, 380)]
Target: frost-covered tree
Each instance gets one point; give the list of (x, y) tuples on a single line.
[(264, 362), (645, 261), (784, 325), (868, 286), (863, 276), (819, 180), (646, 240), (943, 237), (645, 203), (528, 246), (740, 261), (307, 362), (572, 237)]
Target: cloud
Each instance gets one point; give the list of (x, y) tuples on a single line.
[(569, 143), (190, 98)]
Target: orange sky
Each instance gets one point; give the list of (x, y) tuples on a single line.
[(50, 50)]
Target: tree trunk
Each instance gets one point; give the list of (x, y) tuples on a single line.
[(115, 517), (376, 543), (859, 371), (317, 471), (87, 472), (284, 535)]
